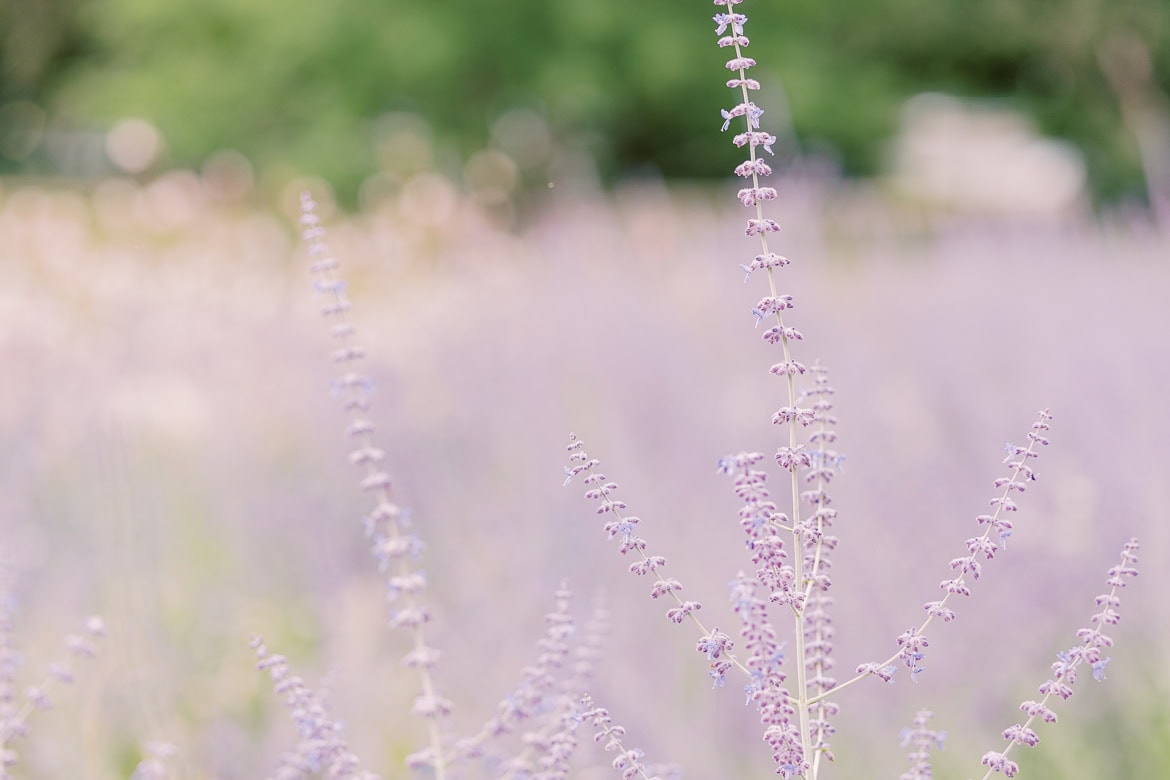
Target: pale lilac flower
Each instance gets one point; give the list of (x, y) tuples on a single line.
[(740, 63), (755, 139), (749, 168), (744, 83), (717, 646), (998, 762), (750, 196), (548, 745), (756, 227), (735, 21)]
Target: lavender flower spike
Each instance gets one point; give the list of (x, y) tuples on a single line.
[(1064, 671), (321, 747), (391, 542), (714, 644), (913, 641), (622, 526)]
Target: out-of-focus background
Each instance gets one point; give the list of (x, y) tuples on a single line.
[(1035, 105), (534, 209)]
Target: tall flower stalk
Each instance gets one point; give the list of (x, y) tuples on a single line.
[(802, 588)]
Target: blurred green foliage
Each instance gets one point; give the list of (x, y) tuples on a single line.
[(299, 87)]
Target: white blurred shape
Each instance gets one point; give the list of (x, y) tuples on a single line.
[(133, 144), (978, 159)]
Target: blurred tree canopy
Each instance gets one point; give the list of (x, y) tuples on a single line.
[(300, 87)]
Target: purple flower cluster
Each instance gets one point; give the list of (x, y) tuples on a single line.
[(800, 587), (763, 523), (766, 686)]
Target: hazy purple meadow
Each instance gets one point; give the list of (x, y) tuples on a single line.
[(172, 459)]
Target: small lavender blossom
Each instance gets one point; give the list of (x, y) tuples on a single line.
[(921, 740), (1089, 651), (716, 647)]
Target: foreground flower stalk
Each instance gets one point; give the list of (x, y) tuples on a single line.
[(792, 550)]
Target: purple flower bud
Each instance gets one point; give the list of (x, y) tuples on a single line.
[(756, 227), (740, 63), (745, 83), (997, 762)]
